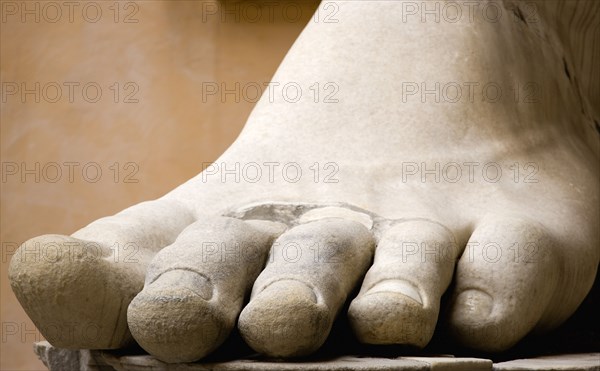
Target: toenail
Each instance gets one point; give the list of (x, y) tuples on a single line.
[(397, 286), (183, 279), (289, 288), (474, 302)]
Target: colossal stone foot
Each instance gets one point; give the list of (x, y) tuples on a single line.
[(498, 196)]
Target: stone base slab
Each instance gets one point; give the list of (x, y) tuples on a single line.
[(96, 360)]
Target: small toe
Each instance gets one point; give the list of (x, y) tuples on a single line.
[(268, 326), (400, 297), (311, 270), (505, 279)]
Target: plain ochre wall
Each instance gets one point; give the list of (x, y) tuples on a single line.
[(162, 61)]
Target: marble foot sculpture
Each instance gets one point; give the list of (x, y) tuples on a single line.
[(460, 152)]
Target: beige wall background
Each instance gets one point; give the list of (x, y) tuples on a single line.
[(118, 87)]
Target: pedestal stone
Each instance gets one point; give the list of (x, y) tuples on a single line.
[(95, 360)]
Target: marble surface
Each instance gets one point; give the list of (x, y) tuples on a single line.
[(86, 360)]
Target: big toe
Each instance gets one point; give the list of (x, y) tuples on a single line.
[(67, 287)]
